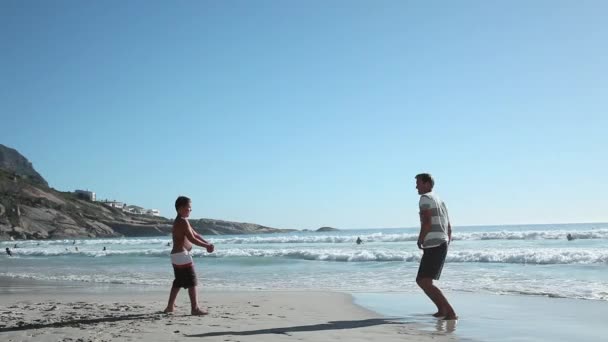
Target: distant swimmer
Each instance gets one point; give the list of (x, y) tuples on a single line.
[(168, 244), (74, 242), (15, 246), (8, 251), (104, 248), (359, 241), (569, 237), (76, 249)]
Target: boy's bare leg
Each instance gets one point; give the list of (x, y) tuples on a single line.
[(172, 297), (194, 302)]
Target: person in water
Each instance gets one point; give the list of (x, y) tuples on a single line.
[(359, 241), (569, 237), (183, 266), (8, 251)]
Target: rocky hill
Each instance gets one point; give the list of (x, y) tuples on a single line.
[(30, 209), (13, 161)]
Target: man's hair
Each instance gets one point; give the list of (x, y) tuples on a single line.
[(426, 178), (181, 201)]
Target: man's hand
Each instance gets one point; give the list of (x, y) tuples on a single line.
[(210, 248), (420, 243)]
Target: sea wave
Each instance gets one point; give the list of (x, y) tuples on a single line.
[(344, 237), (540, 256), (407, 237)]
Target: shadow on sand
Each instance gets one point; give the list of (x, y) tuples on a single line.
[(76, 322), (334, 325)]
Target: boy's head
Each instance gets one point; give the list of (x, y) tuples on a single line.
[(183, 206)]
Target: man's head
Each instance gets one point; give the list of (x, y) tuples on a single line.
[(183, 206), (424, 183)]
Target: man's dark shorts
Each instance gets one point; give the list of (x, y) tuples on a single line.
[(432, 262), (184, 277)]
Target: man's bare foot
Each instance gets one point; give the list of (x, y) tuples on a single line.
[(450, 317), (198, 312), (439, 314)]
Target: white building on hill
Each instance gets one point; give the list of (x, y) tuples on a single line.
[(86, 195), (114, 204), (153, 212)]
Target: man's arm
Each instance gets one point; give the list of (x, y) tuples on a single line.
[(445, 210), (426, 205), (449, 232), (426, 216)]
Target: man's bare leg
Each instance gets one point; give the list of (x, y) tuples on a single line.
[(172, 296), (422, 284), (194, 302), (435, 294)]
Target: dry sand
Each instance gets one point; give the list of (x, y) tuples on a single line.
[(233, 316)]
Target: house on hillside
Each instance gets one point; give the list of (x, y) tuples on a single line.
[(85, 195), (133, 209), (114, 204), (153, 212)]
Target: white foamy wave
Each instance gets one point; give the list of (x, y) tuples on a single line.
[(509, 256), (534, 235), (541, 256), (407, 237), (103, 279), (50, 252), (545, 256), (321, 255)]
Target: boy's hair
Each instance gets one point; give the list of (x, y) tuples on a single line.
[(426, 178), (181, 201)]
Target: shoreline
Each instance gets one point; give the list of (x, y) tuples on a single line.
[(42, 312)]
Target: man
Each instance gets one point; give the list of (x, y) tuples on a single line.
[(435, 235), (183, 267), (8, 252)]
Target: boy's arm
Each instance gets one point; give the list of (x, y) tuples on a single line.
[(199, 236), (189, 234), (210, 247)]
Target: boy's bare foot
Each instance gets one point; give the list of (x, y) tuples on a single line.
[(198, 312), (169, 310)]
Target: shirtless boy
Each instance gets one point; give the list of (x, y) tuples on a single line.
[(183, 266)]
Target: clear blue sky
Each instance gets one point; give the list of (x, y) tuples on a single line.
[(300, 114)]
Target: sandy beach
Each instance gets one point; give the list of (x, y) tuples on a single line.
[(79, 314)]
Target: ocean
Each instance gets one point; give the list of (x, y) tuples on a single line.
[(524, 260)]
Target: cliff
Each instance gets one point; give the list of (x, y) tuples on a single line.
[(30, 209)]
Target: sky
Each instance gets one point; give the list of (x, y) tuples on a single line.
[(302, 114)]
